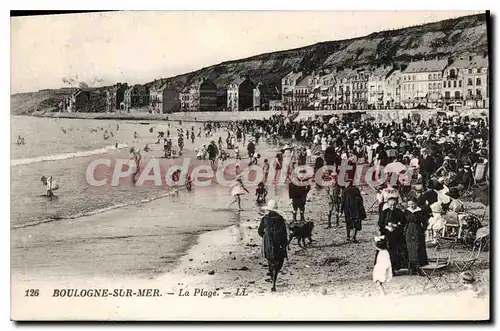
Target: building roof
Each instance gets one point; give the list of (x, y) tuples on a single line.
[(238, 81), (293, 75), (382, 71), (394, 73), (327, 76), (304, 81), (473, 61), (426, 66), (343, 73)]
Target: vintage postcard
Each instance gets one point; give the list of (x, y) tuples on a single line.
[(232, 165)]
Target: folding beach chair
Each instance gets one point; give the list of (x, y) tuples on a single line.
[(435, 271), (465, 263)]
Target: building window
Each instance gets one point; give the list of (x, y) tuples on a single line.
[(434, 85), (404, 87), (449, 83), (457, 94), (478, 93), (447, 94), (469, 82), (470, 71), (459, 83), (470, 93), (430, 76), (478, 81), (412, 86), (478, 70), (454, 83), (414, 77), (439, 85), (453, 73), (434, 76), (430, 86)]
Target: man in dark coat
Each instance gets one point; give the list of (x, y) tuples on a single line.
[(251, 148), (427, 166), (330, 155), (272, 229), (298, 188), (426, 199), (354, 210), (212, 153)]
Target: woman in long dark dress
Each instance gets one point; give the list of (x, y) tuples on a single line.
[(416, 224), (391, 224), (272, 229)]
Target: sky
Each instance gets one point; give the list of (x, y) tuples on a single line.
[(136, 47)]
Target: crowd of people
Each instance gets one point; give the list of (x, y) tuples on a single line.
[(446, 156)]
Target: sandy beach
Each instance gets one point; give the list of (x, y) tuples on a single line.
[(219, 257), (224, 275)]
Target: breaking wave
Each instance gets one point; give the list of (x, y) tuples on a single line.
[(90, 212), (47, 158)]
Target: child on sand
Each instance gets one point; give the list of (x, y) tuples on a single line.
[(261, 193), (382, 271)]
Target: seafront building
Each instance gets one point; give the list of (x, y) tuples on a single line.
[(288, 84), (465, 82), (433, 83), (240, 94), (156, 97), (327, 91), (302, 93), (377, 88), (422, 83), (392, 90), (359, 80), (115, 97), (136, 96)]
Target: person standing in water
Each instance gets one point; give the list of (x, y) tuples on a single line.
[(50, 186), (237, 191)]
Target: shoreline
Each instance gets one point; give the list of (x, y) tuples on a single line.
[(179, 116), (224, 116)]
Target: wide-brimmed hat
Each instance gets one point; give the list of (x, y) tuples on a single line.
[(272, 205)]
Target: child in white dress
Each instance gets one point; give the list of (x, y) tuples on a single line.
[(237, 190), (382, 271)]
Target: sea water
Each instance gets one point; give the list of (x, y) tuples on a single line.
[(88, 231)]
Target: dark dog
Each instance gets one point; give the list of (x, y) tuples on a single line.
[(301, 232)]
